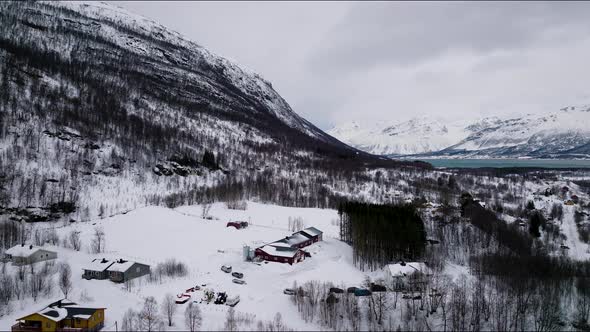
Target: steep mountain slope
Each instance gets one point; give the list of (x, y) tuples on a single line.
[(102, 111), (561, 134)]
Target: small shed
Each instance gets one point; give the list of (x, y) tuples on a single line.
[(123, 270), (24, 254)]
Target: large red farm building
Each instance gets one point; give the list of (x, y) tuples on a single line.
[(288, 250)]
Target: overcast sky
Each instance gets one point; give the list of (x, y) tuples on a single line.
[(386, 61)]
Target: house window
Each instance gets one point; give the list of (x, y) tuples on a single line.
[(48, 325), (137, 269)]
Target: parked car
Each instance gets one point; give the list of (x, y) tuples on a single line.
[(237, 275), (182, 298), (289, 291), (226, 268), (378, 288), (362, 292), (238, 281), (351, 289), (336, 290), (233, 301)]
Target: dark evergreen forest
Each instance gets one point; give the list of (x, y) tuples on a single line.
[(380, 234)]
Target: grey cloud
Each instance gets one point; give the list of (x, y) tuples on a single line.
[(405, 33), (387, 61)]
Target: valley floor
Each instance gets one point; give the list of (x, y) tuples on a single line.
[(154, 234)]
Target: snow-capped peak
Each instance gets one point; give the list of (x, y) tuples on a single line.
[(545, 134)]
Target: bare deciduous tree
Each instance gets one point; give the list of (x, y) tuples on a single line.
[(97, 245), (74, 240), (65, 279), (231, 324), (169, 307), (148, 318), (130, 321), (205, 210), (192, 317)]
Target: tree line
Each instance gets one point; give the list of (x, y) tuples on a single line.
[(380, 234)]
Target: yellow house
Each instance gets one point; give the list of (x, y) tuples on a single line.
[(62, 316)]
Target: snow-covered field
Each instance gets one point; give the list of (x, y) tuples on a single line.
[(154, 234)]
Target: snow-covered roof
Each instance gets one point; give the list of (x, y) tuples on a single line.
[(121, 266), (269, 249), (21, 250), (399, 270), (294, 239), (56, 314), (63, 309), (312, 231), (98, 264), (280, 244)]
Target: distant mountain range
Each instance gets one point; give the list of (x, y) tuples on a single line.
[(561, 134)]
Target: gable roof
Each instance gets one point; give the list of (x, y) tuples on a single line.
[(23, 250), (294, 240), (121, 265), (98, 264), (282, 252), (64, 309), (55, 314), (311, 232)]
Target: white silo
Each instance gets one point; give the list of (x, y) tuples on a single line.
[(246, 252)]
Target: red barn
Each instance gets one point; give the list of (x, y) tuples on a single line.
[(235, 224), (280, 254)]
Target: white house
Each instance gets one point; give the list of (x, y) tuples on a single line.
[(25, 254)]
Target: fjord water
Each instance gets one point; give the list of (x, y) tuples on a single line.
[(502, 163)]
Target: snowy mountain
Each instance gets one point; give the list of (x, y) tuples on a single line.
[(418, 135), (102, 111), (561, 134)]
